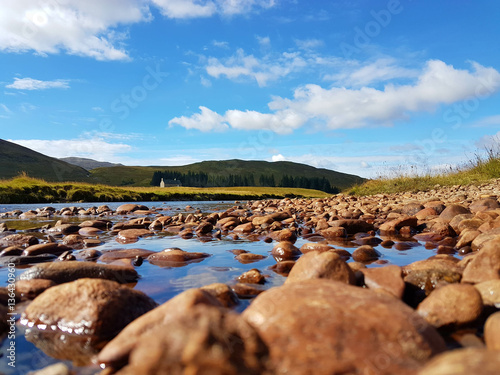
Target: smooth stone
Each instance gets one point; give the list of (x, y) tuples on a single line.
[(492, 332), (244, 228), (112, 255), (22, 240), (63, 272), (285, 251), (175, 257), (73, 240), (453, 210), (313, 246), (453, 304), (64, 229), (12, 250), (485, 265), (353, 226), (283, 268), (203, 340), (118, 350), (46, 248), (328, 327), (334, 233), (484, 238), (31, 288), (89, 231), (365, 253), (223, 293), (253, 276), (246, 258), (130, 207), (245, 290), (88, 254), (490, 292), (325, 265), (388, 279), (483, 205), (395, 225), (469, 361), (132, 235)]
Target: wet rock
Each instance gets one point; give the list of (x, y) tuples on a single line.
[(25, 260), (312, 246), (73, 240), (63, 229), (46, 248), (22, 240), (394, 226), (31, 288), (12, 250), (244, 228), (253, 276), (454, 304), (118, 350), (325, 265), (353, 226), (287, 235), (245, 290), (246, 258), (112, 255), (463, 362), (132, 235), (100, 224), (365, 253), (485, 265), (223, 293), (369, 240), (341, 328), (492, 332), (130, 207), (285, 251), (490, 292), (334, 232), (63, 272), (89, 242), (204, 340), (89, 231), (388, 279), (89, 254), (451, 211), (175, 257), (283, 268), (99, 309)]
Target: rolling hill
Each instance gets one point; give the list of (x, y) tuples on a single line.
[(141, 176), (15, 159), (89, 164)]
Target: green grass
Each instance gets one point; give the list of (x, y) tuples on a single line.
[(476, 171), (24, 189)]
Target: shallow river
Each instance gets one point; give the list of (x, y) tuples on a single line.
[(162, 284)]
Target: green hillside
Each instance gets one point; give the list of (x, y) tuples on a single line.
[(141, 176), (15, 159)]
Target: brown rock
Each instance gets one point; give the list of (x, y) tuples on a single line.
[(327, 327), (469, 361), (353, 226), (485, 265), (73, 240), (259, 220), (313, 246), (453, 210), (91, 307), (130, 207), (46, 248), (490, 292), (63, 272), (425, 213), (334, 233), (454, 304), (395, 225), (285, 251), (223, 293), (22, 240), (411, 209), (325, 265), (64, 229), (204, 340), (492, 332), (119, 349), (388, 279), (112, 255), (31, 288), (287, 235), (252, 277), (244, 290), (283, 268), (365, 253), (483, 205), (466, 237), (175, 257), (485, 237), (132, 235), (89, 231), (246, 258), (244, 228)]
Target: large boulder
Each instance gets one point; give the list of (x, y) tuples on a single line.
[(328, 327)]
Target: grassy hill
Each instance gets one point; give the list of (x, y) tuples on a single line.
[(15, 159), (141, 176), (89, 164)]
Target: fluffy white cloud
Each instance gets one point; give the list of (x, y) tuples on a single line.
[(308, 44), (93, 148), (35, 84), (278, 157), (343, 108), (89, 28)]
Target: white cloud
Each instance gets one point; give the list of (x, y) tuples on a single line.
[(35, 84), (489, 142), (488, 121), (278, 157), (342, 108), (77, 27), (264, 41), (5, 112), (383, 69), (308, 44), (220, 44), (93, 148), (89, 28), (205, 121), (97, 109)]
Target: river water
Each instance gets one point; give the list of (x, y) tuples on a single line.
[(161, 284)]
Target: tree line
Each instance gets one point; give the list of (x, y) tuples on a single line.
[(202, 179)]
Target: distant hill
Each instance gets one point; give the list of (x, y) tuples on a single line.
[(142, 176), (15, 159), (89, 164)]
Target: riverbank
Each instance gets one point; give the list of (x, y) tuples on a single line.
[(30, 190)]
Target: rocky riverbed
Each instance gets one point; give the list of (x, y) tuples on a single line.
[(328, 301)]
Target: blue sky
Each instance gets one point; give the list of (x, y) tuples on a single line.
[(363, 87)]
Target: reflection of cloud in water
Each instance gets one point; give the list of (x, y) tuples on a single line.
[(196, 280)]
